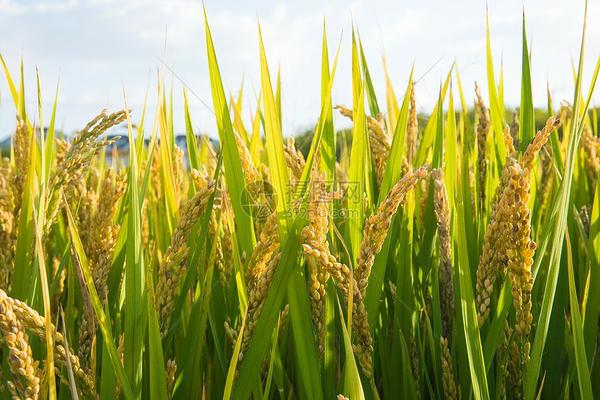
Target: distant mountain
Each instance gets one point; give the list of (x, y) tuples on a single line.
[(121, 141), (5, 145)]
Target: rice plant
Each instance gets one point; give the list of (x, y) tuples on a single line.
[(459, 258)]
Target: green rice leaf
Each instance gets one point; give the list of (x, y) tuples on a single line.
[(496, 109), (103, 322), (583, 371), (560, 208), (192, 143), (352, 386), (135, 293), (234, 175), (526, 113), (274, 141), (328, 142), (467, 305)]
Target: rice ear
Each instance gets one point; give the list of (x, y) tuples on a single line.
[(483, 126)]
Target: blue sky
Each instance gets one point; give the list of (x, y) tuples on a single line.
[(100, 48)]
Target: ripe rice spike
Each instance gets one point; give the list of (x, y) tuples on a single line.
[(539, 140), (26, 382), (30, 319), (412, 130), (77, 159), (173, 265), (316, 230), (450, 390), (343, 277), (483, 127), (377, 225), (442, 214), (294, 159), (22, 144)]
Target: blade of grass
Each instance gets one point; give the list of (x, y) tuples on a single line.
[(50, 134), (22, 285), (370, 89), (135, 293), (526, 112), (451, 160), (11, 85), (108, 378), (157, 373), (358, 174), (352, 386), (467, 304), (390, 177), (272, 357), (392, 103), (428, 137), (233, 363), (234, 175), (319, 131), (496, 112), (39, 258), (328, 146), (190, 138), (274, 140), (237, 115), (398, 148), (583, 371), (559, 223), (591, 307), (82, 263), (267, 320), (306, 353), (49, 367)]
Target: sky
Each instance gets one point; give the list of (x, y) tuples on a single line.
[(96, 51)]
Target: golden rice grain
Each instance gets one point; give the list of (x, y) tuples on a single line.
[(76, 160), (539, 140), (256, 299), (22, 144), (514, 128), (251, 173), (26, 382), (7, 225), (171, 371), (502, 357), (106, 230), (508, 140), (377, 225), (379, 141), (31, 320), (266, 247), (316, 230), (450, 390), (412, 128), (343, 277), (442, 214), (591, 147), (483, 126), (232, 333), (294, 159), (173, 265), (496, 241)]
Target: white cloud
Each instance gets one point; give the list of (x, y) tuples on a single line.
[(15, 8), (100, 47)]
